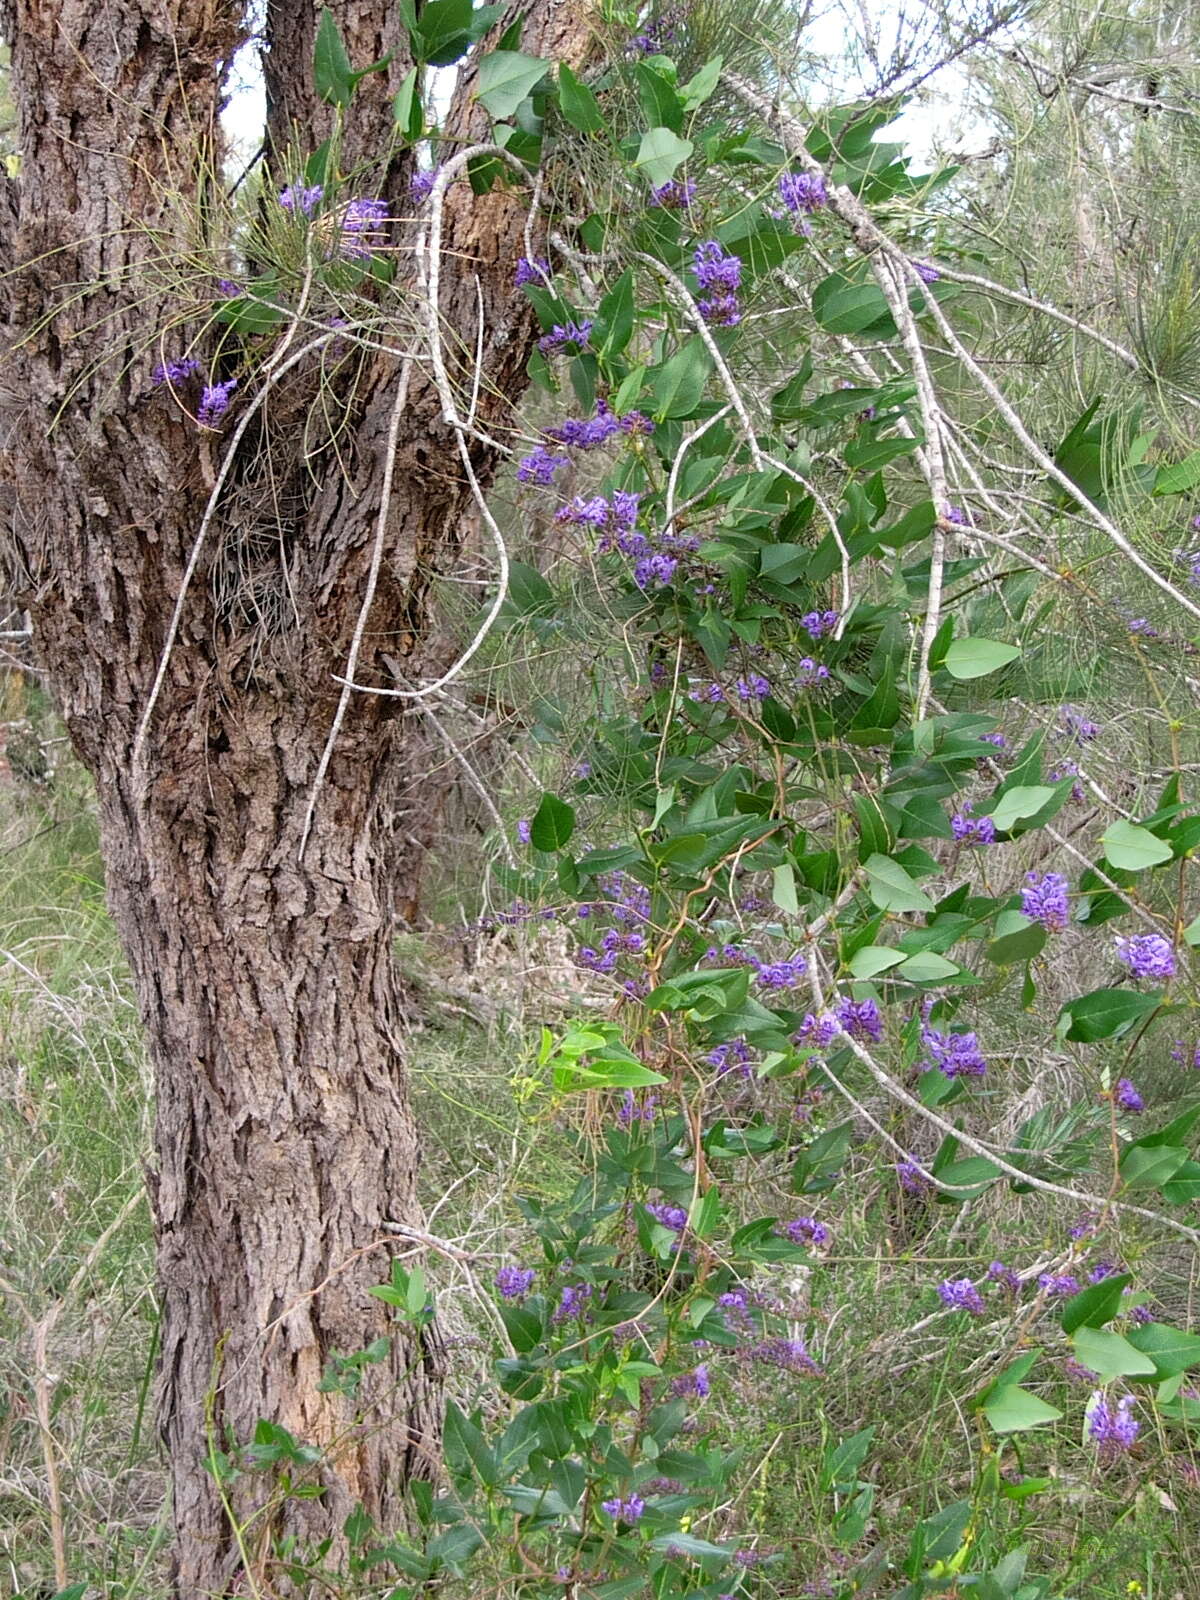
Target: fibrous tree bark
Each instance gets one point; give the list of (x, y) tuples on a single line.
[(264, 970)]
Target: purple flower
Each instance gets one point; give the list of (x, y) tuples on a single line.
[(719, 274), (734, 1056), (1077, 1372), (1127, 1097), (999, 1273), (803, 192), (1057, 1285), (692, 1383), (297, 198), (362, 223), (563, 334), (572, 1302), (1102, 1270), (912, 1179), (421, 186), (630, 1111), (811, 672), (861, 1019), (523, 830), (540, 466), (926, 271), (788, 1355), (972, 830), (514, 1283), (579, 434), (627, 1510), (997, 739), (535, 271), (960, 1294), (1044, 900), (1112, 1429), (755, 687), (957, 515), (214, 402), (956, 1055), (227, 287), (175, 371), (579, 512), (1077, 726), (674, 195), (1147, 955), (781, 974), (654, 571), (819, 1032), (1084, 1225), (806, 1230), (673, 1217), (818, 623)]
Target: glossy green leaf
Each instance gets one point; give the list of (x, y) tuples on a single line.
[(974, 658), (506, 77), (1013, 1410), (553, 823), (1104, 1012), (1133, 849), (1023, 801), (1110, 1356), (577, 102), (332, 71), (660, 155), (891, 888)]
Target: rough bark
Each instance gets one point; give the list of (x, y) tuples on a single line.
[(266, 982)]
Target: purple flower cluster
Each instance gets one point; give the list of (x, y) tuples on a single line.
[(536, 270), (586, 434), (997, 739), (957, 515), (810, 672), (421, 186), (1112, 1428), (1126, 1096), (302, 199), (787, 1355), (972, 830), (926, 271), (692, 1383), (613, 944), (175, 371), (1005, 1276), (719, 275), (673, 1217), (630, 1111), (861, 1019), (676, 194), (214, 402), (802, 193), (817, 1032), (781, 974), (806, 1230), (628, 1510), (1044, 900), (1147, 955), (540, 465), (1077, 726), (362, 224), (563, 334), (514, 1283), (912, 1179), (818, 623), (960, 1294), (572, 1302), (1058, 1285), (659, 33), (733, 1056), (956, 1055)]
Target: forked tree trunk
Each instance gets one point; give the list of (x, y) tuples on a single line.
[(264, 974)]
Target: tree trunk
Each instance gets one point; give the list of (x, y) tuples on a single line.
[(259, 937)]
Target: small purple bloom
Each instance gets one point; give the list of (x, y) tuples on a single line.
[(1005, 1276), (788, 1355), (214, 402), (957, 515), (971, 830), (175, 371), (563, 334), (514, 1283), (1127, 1097), (692, 1383), (297, 198), (674, 195), (535, 271), (572, 1302), (1147, 955), (627, 1510), (1044, 900), (803, 192), (523, 830), (362, 224), (912, 1179), (421, 186), (673, 1217), (861, 1019), (960, 1294), (1077, 726), (806, 1230), (719, 274), (540, 466), (926, 271), (654, 571), (956, 1055), (1058, 1285), (818, 623), (1113, 1429)]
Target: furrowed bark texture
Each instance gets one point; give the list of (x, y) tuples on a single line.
[(266, 980)]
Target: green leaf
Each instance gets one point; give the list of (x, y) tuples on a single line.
[(927, 967), (841, 305), (783, 888), (1024, 801), (1133, 849), (1013, 1410), (1097, 1304), (660, 155), (1171, 1349), (465, 1447), (1149, 1167), (891, 888), (677, 386), (974, 658), (1018, 938), (332, 72), (1110, 1356), (577, 102), (1103, 1012), (873, 959), (698, 89), (614, 318), (506, 77), (553, 823), (1181, 477), (571, 1078), (687, 1544), (407, 112)]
